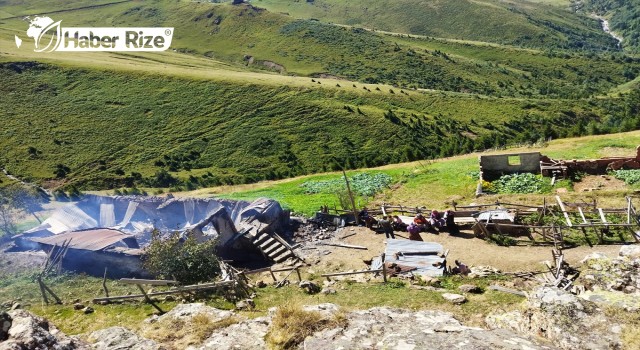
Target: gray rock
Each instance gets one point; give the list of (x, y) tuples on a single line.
[(386, 328), (120, 338), (593, 257), (245, 304), (327, 310), (328, 291), (470, 288), (630, 251), (454, 298), (243, 335), (309, 287), (566, 320), (28, 331), (187, 311)]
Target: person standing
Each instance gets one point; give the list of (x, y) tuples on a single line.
[(385, 223)]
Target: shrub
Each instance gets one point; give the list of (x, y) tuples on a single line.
[(184, 259)]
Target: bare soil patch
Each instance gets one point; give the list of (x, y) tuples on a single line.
[(464, 247), (599, 182)]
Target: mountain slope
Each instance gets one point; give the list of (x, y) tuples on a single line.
[(506, 22), (248, 36)]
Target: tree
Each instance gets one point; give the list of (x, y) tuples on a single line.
[(183, 259)]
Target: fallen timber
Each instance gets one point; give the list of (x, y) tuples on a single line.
[(175, 290)]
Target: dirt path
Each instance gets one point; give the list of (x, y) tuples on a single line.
[(471, 251)]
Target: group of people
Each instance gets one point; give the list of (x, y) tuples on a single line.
[(436, 221)]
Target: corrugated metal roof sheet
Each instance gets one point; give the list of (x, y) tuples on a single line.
[(423, 263), (96, 239)]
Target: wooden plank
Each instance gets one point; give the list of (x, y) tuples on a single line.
[(351, 273), (171, 291), (345, 246), (287, 268), (564, 211), (148, 282), (349, 235), (602, 217), (584, 219)]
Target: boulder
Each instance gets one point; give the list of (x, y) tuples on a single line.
[(246, 304), (27, 331), (566, 320), (470, 288), (120, 338), (247, 334), (388, 328), (454, 298), (186, 312), (630, 251), (309, 287), (593, 257), (328, 291)]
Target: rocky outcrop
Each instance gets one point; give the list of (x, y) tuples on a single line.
[(27, 331), (387, 328), (563, 318), (615, 282), (120, 338), (243, 335)]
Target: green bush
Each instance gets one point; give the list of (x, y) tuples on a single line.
[(185, 260), (630, 177)]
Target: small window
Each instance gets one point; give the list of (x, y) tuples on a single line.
[(514, 160)]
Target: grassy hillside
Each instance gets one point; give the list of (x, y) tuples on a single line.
[(248, 36), (100, 129), (506, 22), (438, 183)]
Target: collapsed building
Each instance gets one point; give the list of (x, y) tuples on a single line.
[(108, 231), (493, 167)]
